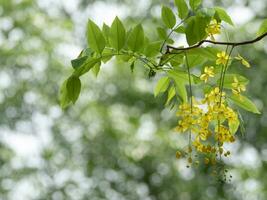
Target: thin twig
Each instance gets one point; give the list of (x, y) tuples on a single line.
[(235, 44)]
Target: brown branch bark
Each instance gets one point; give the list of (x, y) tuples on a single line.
[(234, 44)]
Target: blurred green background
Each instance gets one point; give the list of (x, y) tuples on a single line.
[(117, 142)]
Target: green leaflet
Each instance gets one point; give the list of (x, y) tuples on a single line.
[(73, 88), (106, 31), (162, 33), (117, 34), (90, 63), (229, 79), (181, 79), (152, 49), (168, 17), (180, 76), (95, 38), (96, 69), (233, 127), (209, 53), (63, 95), (161, 86), (206, 12), (222, 14), (171, 95), (196, 60), (194, 4), (176, 60), (180, 29), (182, 8), (263, 28), (76, 63), (136, 38), (196, 29), (181, 90), (245, 103)]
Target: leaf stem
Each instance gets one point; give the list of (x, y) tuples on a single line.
[(190, 92)]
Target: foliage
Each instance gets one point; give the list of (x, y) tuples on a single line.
[(117, 142), (211, 127)]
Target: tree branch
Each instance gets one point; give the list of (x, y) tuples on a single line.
[(234, 44)]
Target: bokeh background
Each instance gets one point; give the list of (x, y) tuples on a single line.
[(117, 142)]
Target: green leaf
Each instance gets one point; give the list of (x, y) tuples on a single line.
[(194, 4), (96, 69), (73, 88), (229, 79), (107, 54), (180, 29), (95, 38), (181, 79), (181, 90), (63, 95), (117, 35), (78, 62), (222, 14), (196, 60), (168, 17), (178, 75), (136, 38), (161, 86), (196, 29), (209, 53), (90, 63), (177, 59), (233, 126), (245, 103), (171, 94), (152, 49), (182, 8), (106, 31), (161, 33), (263, 28), (206, 12)]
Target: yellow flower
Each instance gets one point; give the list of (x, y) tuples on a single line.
[(204, 134), (223, 135), (178, 154), (215, 96), (208, 72), (222, 58), (243, 61), (238, 87), (231, 116), (213, 28)]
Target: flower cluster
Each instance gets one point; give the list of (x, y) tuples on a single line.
[(211, 122)]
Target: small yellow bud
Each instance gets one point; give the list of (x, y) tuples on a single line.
[(206, 161), (178, 154), (189, 160), (189, 149)]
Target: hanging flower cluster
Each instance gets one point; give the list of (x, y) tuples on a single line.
[(211, 122)]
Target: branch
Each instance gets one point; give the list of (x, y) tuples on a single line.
[(234, 44)]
